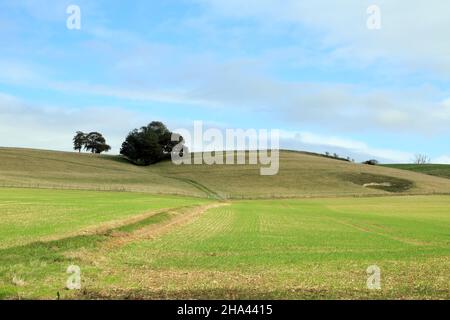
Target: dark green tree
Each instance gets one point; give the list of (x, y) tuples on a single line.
[(96, 143), (149, 144), (371, 162), (79, 140)]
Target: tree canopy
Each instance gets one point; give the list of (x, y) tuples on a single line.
[(93, 142), (79, 141), (149, 144)]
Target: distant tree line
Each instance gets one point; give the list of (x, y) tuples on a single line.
[(337, 157), (371, 162), (155, 142)]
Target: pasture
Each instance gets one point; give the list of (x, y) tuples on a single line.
[(437, 170), (168, 231), (301, 175), (178, 247)]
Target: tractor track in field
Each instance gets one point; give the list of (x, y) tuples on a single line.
[(106, 227), (379, 232), (211, 194), (147, 225), (174, 217), (140, 229), (92, 246)]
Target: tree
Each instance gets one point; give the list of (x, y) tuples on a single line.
[(79, 140), (421, 159), (96, 143), (149, 144), (371, 162)]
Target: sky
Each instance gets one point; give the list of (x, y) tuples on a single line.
[(312, 69)]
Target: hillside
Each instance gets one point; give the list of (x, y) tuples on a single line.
[(437, 170), (300, 175)]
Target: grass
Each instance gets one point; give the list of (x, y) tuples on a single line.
[(290, 249), (300, 175), (221, 231), (28, 215), (67, 170), (44, 231), (437, 170), (386, 183), (298, 249)]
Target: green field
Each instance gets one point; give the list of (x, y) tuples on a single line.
[(29, 215), (247, 249), (184, 232)]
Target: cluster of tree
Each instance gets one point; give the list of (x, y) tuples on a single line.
[(144, 146), (151, 144), (371, 162), (418, 159), (336, 156), (421, 159), (92, 142)]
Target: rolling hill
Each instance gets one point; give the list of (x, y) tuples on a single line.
[(152, 244), (300, 175), (437, 170)]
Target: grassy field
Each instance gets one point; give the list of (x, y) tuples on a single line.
[(438, 170), (300, 175), (185, 232), (29, 215), (296, 249)]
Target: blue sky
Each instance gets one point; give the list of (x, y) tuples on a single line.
[(309, 68)]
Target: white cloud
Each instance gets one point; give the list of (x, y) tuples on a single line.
[(413, 33), (334, 105), (14, 72), (352, 148), (47, 127), (445, 159), (238, 84), (139, 94), (28, 125)]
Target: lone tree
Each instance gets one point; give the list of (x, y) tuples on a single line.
[(421, 159), (371, 162), (79, 140), (149, 144), (96, 143)]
